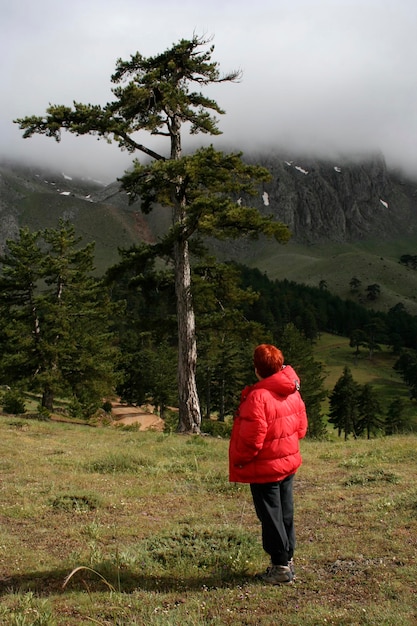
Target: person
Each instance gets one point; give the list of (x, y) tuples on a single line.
[(264, 451)]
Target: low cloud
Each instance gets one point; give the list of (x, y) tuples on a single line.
[(324, 78)]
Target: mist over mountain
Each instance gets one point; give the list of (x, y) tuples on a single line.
[(347, 218), (320, 200)]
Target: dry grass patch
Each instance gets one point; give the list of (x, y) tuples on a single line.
[(156, 535)]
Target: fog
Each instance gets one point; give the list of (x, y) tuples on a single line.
[(324, 78)]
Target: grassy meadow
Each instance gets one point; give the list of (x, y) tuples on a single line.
[(112, 526)]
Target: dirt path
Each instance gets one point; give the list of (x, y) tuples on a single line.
[(127, 414)]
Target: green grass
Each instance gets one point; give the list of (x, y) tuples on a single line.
[(150, 532)]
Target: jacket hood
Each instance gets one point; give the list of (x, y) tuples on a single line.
[(283, 383)]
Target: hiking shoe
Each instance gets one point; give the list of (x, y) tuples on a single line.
[(277, 575), (291, 566)]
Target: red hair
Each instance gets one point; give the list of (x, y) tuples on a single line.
[(267, 360)]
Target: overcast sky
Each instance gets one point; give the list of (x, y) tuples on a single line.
[(327, 77)]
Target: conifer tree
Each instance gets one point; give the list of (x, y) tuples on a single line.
[(20, 315), (55, 318), (343, 413), (395, 420), (376, 332), (149, 376), (225, 337), (223, 372), (370, 419), (358, 339), (406, 365), (355, 284), (201, 190)]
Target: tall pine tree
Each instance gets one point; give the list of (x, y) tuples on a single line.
[(201, 190)]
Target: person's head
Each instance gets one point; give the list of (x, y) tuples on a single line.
[(267, 360)]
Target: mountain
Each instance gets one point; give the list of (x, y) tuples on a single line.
[(348, 219), (339, 201), (38, 198)]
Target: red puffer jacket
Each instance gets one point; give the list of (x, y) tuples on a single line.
[(268, 425)]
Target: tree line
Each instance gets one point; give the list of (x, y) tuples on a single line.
[(64, 333), (314, 310)]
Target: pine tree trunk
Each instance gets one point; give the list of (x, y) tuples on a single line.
[(48, 399), (188, 403)]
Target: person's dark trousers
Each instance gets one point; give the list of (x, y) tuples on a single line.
[(274, 506)]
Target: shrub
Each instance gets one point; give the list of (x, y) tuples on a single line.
[(216, 428), (43, 412), (80, 503), (107, 406), (119, 462), (212, 427), (13, 402), (223, 552), (75, 408), (170, 421)]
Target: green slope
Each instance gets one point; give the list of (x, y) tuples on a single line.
[(337, 263), (40, 200)]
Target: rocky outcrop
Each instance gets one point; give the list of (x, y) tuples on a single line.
[(338, 201)]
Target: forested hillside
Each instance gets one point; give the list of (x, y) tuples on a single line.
[(47, 296)]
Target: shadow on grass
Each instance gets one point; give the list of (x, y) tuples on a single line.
[(52, 583)]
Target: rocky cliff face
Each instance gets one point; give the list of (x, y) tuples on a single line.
[(323, 201), (319, 201)]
